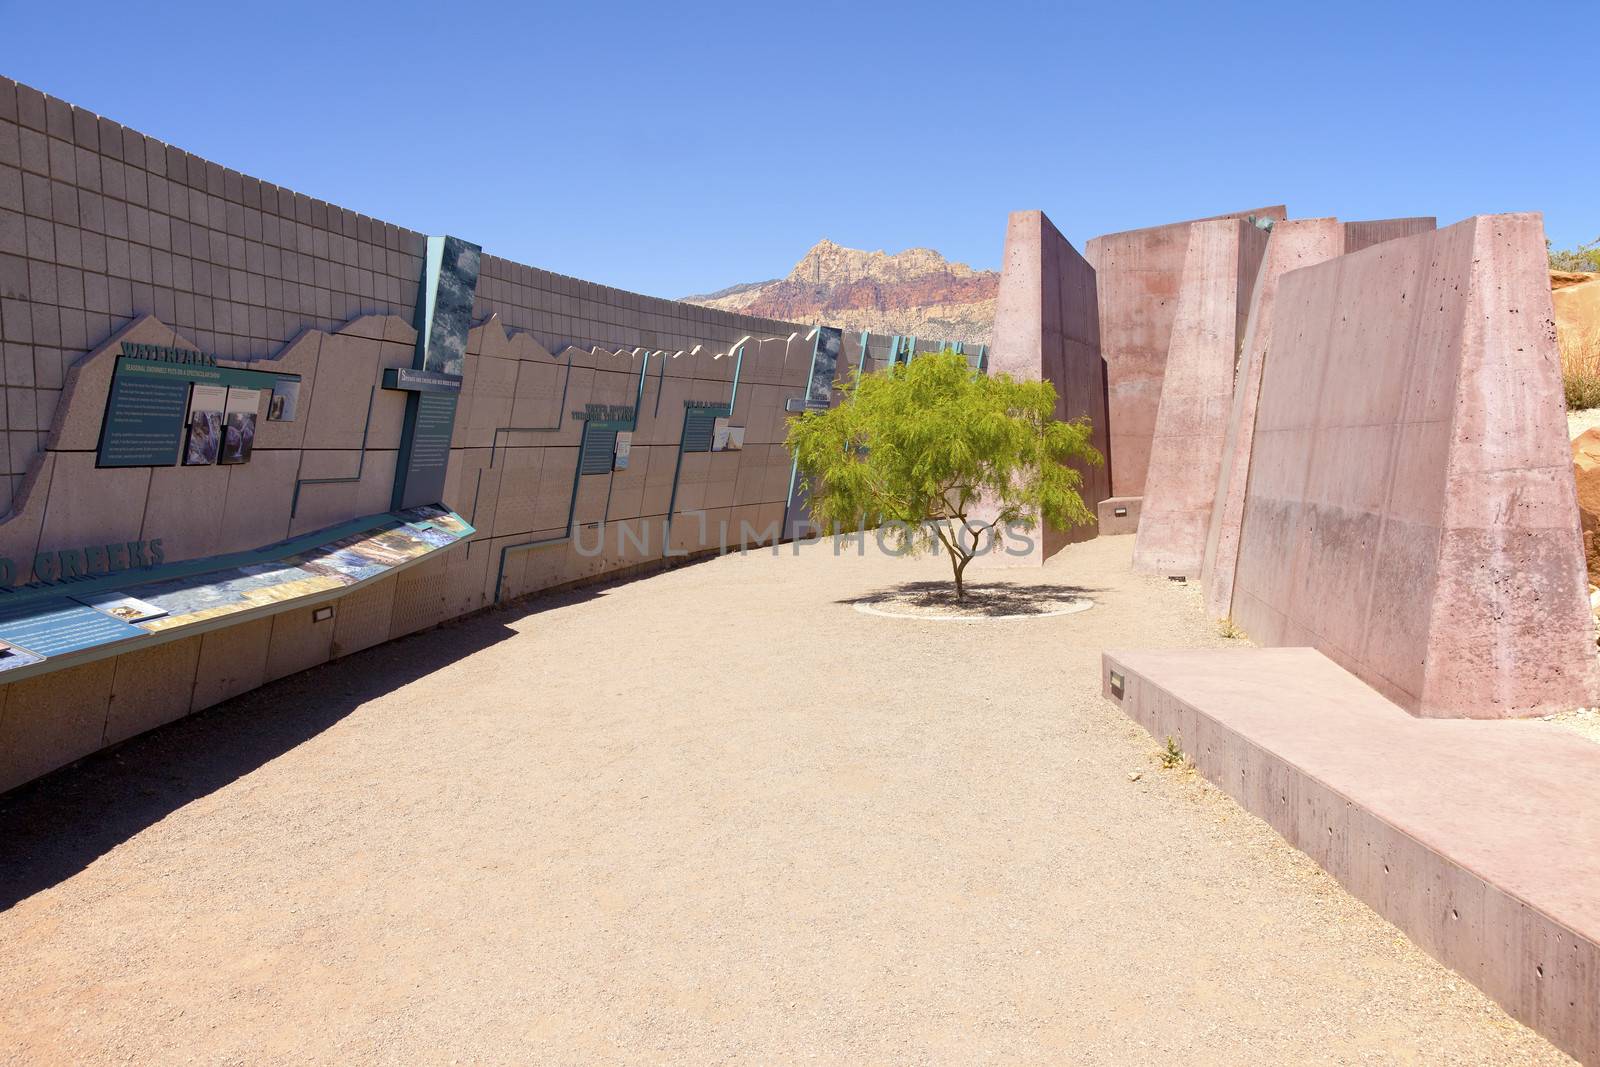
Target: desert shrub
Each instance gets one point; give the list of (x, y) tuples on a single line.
[(1580, 367), (1583, 258)]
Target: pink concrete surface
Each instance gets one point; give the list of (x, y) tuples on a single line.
[(1219, 273), (1137, 274), (1479, 840), (1046, 326), (1293, 244), (1365, 234), (1112, 523), (1410, 509)]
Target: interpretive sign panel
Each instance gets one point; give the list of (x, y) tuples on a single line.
[(824, 367), (56, 627), (163, 398), (145, 417)]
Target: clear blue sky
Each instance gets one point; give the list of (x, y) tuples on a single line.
[(680, 147)]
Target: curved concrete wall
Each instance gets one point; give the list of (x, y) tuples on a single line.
[(107, 235)]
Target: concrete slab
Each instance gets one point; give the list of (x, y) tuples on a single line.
[(1293, 244), (1410, 509), (1480, 840), (1047, 326), (1219, 274), (1120, 515), (1366, 233), (1136, 277)]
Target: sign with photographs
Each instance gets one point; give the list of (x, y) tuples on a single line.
[(620, 453), (824, 366), (172, 404), (206, 406), (725, 438), (239, 425), (285, 403)]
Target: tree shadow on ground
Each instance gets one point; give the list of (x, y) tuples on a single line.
[(983, 598), (54, 826)]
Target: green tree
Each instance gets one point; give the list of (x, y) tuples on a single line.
[(922, 447)]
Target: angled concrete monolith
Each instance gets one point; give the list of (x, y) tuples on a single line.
[(1293, 244), (1136, 279), (1046, 326), (1410, 510), (1219, 275), (1368, 232)]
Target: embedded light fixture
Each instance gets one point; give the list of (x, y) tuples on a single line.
[(322, 614), (812, 335)]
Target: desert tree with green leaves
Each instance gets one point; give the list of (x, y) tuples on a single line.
[(936, 454)]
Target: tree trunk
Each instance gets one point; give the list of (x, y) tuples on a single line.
[(959, 563)]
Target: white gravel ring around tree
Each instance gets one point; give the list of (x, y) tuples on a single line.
[(1072, 608)]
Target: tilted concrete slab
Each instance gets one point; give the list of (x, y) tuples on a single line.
[(1410, 510), (1293, 244), (1369, 232), (1480, 840), (1136, 277), (1047, 326), (1219, 274)]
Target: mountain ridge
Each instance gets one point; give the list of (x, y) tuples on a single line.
[(913, 292)]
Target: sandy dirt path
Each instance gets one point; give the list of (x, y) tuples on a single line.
[(713, 815)]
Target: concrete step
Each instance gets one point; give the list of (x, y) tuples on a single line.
[(1480, 839)]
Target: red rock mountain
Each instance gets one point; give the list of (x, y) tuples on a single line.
[(916, 292)]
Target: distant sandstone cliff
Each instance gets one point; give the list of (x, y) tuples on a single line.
[(916, 292)]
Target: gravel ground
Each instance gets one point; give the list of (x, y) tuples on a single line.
[(1585, 722), (1579, 421), (714, 815)]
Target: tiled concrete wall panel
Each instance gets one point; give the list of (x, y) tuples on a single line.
[(1410, 509), (233, 660), (52, 719), (1219, 273), (1137, 275), (1047, 326), (150, 687)]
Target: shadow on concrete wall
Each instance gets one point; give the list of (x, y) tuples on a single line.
[(54, 827)]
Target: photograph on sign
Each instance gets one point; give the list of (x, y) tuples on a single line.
[(623, 447), (121, 606), (239, 425), (206, 404), (12, 657), (719, 435), (285, 400), (735, 438)]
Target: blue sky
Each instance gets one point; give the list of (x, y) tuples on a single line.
[(677, 148)]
